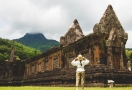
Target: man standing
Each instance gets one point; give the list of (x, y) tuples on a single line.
[(80, 62)]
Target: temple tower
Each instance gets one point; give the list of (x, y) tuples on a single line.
[(115, 38)]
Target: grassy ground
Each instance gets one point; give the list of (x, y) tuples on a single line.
[(62, 88)]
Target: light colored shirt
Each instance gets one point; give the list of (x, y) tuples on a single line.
[(80, 67)]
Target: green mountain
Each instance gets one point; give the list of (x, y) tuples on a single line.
[(37, 41), (21, 51)]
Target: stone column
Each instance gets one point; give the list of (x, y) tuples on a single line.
[(90, 56), (121, 59), (109, 53)]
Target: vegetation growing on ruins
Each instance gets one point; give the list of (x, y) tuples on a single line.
[(129, 54), (21, 51)]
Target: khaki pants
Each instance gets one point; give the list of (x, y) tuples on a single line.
[(80, 76)]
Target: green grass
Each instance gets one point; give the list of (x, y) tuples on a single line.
[(62, 88)]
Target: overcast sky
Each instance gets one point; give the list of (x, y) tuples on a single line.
[(54, 17)]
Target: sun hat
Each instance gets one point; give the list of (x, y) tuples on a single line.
[(79, 57)]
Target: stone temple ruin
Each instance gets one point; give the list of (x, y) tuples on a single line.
[(105, 48)]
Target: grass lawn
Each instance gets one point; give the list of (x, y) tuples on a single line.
[(62, 88)]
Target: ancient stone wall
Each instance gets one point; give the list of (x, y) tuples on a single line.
[(47, 62)]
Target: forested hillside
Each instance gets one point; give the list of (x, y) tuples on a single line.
[(21, 52), (37, 41)]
